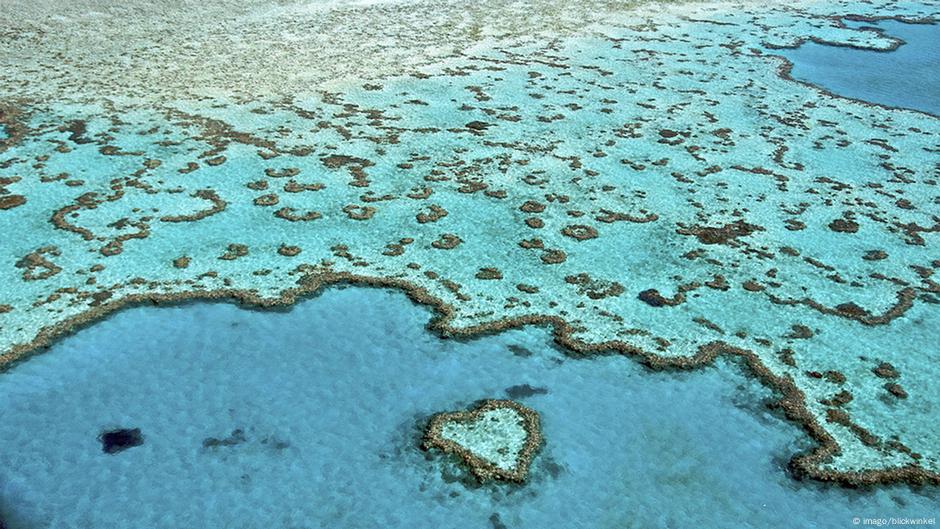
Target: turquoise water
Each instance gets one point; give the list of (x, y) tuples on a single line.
[(330, 397), (657, 184), (908, 77)]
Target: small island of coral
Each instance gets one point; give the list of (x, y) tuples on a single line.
[(496, 440)]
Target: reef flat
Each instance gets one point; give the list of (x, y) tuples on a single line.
[(647, 180)]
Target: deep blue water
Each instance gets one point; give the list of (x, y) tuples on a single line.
[(908, 77), (331, 396)]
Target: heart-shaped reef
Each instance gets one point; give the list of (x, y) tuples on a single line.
[(496, 440)]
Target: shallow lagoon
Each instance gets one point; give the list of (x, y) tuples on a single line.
[(907, 77), (331, 397)]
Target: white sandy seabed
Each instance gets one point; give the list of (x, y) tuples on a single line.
[(255, 48)]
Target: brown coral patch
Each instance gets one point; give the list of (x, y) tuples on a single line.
[(218, 206), (282, 173), (608, 217), (357, 212), (356, 167), (190, 167), (489, 273), (529, 244), (534, 222), (35, 260), (12, 123), (478, 126), (434, 214), (554, 256), (447, 241), (291, 215), (293, 186), (886, 370), (595, 288), (267, 200), (852, 311), (11, 201), (288, 251), (843, 226), (718, 283), (580, 232), (234, 251), (896, 390), (799, 332), (839, 399), (653, 298), (530, 206), (752, 286), (720, 234), (393, 250)]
